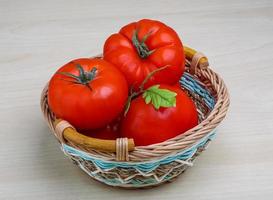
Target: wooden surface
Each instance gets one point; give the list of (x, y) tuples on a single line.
[(36, 37)]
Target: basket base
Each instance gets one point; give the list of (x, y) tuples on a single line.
[(146, 187), (134, 177)]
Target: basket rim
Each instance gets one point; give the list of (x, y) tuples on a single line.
[(180, 142)]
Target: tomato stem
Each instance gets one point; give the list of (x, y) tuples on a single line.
[(150, 75), (141, 88), (84, 77), (142, 49)]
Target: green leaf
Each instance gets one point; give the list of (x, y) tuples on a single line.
[(159, 97), (148, 99)]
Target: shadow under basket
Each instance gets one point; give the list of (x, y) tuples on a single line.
[(119, 163)]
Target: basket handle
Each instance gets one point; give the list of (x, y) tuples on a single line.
[(120, 146), (197, 59)]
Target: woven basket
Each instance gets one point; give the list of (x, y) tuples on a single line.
[(120, 163)]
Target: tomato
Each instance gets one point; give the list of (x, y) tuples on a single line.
[(141, 47), (106, 134), (109, 132), (88, 93), (148, 125)]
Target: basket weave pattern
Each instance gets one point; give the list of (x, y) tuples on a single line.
[(155, 164)]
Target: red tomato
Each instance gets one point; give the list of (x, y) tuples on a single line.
[(110, 132), (141, 47), (88, 93), (106, 134), (146, 125)]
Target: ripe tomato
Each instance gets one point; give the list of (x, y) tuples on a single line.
[(141, 47), (147, 125), (88, 93), (110, 132), (106, 134)]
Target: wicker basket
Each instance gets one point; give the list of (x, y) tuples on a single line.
[(119, 163)]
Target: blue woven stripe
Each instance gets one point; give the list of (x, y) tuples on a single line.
[(188, 82), (142, 166)]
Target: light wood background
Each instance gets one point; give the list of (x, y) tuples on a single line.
[(37, 37)]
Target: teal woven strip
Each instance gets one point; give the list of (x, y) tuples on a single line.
[(147, 166), (188, 82)]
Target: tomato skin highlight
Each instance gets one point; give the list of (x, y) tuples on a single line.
[(146, 125), (90, 106), (166, 50)]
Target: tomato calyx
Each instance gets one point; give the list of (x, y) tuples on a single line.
[(84, 77), (142, 49), (156, 96)]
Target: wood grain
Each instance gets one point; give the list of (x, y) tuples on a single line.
[(36, 37)]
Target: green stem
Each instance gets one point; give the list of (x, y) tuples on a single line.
[(84, 77), (150, 75), (141, 88), (142, 49)]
